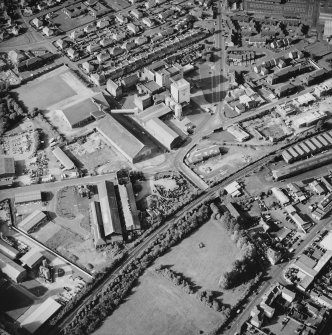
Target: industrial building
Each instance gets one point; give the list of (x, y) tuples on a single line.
[(96, 224), (303, 9), (32, 259), (280, 196), (64, 160), (308, 119), (203, 154), (32, 221), (180, 91), (13, 270), (109, 211), (233, 210), (129, 208), (238, 133), (28, 197), (85, 111), (122, 140), (7, 167), (300, 167), (8, 250), (308, 147), (40, 315), (162, 133)]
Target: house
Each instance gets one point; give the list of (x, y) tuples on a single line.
[(102, 23), (88, 67), (77, 33), (62, 44), (37, 23), (133, 28), (103, 56), (72, 53), (90, 28), (113, 88), (48, 31), (148, 22)]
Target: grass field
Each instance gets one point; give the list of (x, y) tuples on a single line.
[(45, 93), (117, 4), (204, 266), (65, 23), (14, 303), (158, 307)]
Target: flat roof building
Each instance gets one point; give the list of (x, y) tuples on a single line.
[(129, 208), (7, 167), (122, 139), (13, 270), (280, 196)]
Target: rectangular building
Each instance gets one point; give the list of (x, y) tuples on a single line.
[(7, 167), (32, 221), (27, 197), (8, 250), (40, 315), (97, 224), (13, 270), (63, 159), (129, 208), (109, 210)]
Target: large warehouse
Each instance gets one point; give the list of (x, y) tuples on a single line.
[(32, 221), (7, 167), (162, 133), (300, 167), (40, 315), (28, 197), (97, 224), (109, 210), (122, 139)]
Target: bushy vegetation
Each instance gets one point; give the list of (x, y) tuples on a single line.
[(247, 266)]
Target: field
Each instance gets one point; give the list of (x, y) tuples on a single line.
[(158, 307), (117, 5), (204, 266), (65, 23), (273, 131), (14, 302), (45, 93)]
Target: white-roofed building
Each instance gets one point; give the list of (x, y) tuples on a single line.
[(13, 270), (40, 315), (280, 196), (63, 159), (32, 221), (234, 189), (162, 133)]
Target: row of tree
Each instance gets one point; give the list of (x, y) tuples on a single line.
[(103, 303), (10, 112), (205, 296), (246, 267)]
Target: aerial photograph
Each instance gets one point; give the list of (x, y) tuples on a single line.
[(165, 167)]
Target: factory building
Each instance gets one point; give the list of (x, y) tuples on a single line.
[(28, 197), (63, 159), (162, 133), (122, 140), (303, 166), (32, 221), (109, 211), (96, 224), (13, 270), (129, 208), (180, 91)]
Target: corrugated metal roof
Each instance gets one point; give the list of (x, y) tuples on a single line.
[(63, 158), (32, 220), (32, 196)]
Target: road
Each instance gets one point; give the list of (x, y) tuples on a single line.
[(275, 275), (46, 187), (211, 193)]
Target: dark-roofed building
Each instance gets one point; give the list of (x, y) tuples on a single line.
[(32, 221), (129, 208), (27, 197), (7, 167), (316, 77), (13, 270), (233, 210), (122, 139), (109, 210), (97, 224)]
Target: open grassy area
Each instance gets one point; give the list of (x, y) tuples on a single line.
[(44, 93), (14, 303), (158, 307), (65, 23), (204, 266)]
